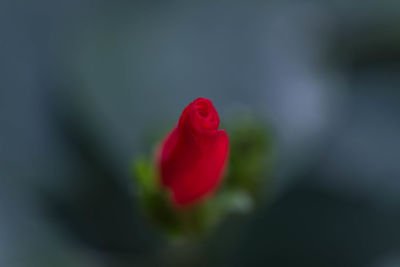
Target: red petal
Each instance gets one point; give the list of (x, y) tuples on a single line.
[(193, 156)]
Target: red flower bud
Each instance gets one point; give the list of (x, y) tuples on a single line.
[(192, 158)]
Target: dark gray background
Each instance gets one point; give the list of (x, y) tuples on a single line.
[(82, 83)]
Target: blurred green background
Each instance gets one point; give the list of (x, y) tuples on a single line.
[(83, 83)]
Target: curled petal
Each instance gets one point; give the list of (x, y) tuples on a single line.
[(193, 156)]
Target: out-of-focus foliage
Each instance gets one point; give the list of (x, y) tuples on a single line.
[(251, 156)]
